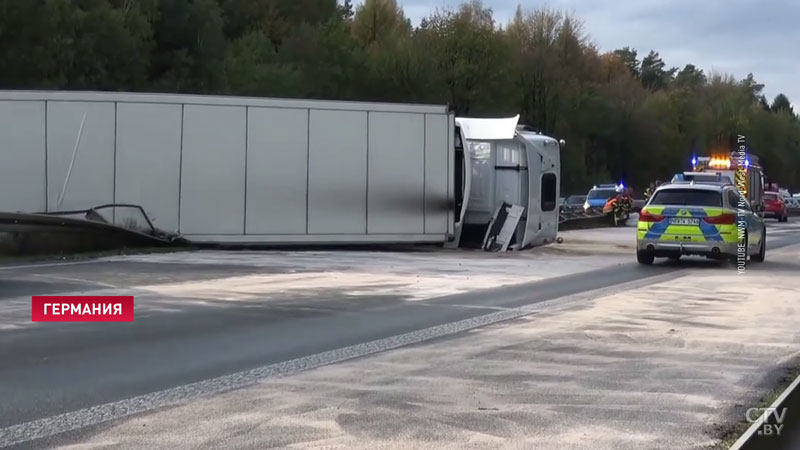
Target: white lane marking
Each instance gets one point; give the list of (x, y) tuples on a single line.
[(456, 305), (79, 280), (783, 248), (51, 426), (67, 263)]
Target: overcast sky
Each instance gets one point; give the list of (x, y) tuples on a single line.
[(730, 36)]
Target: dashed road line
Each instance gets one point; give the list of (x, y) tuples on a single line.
[(53, 264), (77, 280)]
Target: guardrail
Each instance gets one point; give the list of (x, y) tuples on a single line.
[(579, 219), (87, 230), (575, 219)]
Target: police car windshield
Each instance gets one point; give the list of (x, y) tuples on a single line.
[(694, 197), (601, 193)]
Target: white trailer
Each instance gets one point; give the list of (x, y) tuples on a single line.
[(232, 169)]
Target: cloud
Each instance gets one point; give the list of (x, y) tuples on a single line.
[(729, 36)]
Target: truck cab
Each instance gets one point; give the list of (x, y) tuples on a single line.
[(499, 162)]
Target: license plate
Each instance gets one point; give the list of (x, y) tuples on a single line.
[(684, 221)]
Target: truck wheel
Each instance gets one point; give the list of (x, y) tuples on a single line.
[(645, 257)]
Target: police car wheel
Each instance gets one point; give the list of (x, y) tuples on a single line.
[(645, 257), (762, 249)]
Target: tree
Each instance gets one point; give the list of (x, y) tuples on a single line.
[(115, 46), (64, 44), (345, 10), (467, 53), (628, 57), (278, 18), (653, 75), (191, 46), (781, 103), (380, 20), (690, 77), (763, 103), (253, 67), (328, 60), (751, 89), (549, 55)]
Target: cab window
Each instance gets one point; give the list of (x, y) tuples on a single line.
[(548, 192)]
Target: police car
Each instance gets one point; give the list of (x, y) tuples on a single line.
[(598, 196), (699, 218)]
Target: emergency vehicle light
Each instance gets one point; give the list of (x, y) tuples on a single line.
[(720, 163)]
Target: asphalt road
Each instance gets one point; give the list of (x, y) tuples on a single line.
[(53, 369)]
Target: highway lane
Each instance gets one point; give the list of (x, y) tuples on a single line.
[(64, 367), (54, 369)]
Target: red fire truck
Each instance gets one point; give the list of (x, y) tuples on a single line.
[(744, 171)]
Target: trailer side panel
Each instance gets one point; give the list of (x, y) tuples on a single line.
[(235, 169)]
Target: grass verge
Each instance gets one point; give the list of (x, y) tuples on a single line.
[(731, 433)]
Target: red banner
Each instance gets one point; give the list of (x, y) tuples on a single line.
[(82, 309)]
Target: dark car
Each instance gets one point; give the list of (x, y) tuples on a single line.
[(573, 203)]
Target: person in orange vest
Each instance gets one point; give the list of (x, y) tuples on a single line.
[(620, 205)]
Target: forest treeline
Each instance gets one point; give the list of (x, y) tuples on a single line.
[(625, 115)]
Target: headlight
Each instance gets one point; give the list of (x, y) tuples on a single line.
[(586, 204)]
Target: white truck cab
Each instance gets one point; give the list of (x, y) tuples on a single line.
[(505, 162)]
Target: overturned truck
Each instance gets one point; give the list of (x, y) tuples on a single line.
[(237, 170)]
